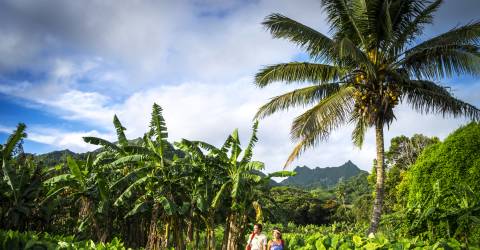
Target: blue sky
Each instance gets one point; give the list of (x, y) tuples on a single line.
[(66, 67)]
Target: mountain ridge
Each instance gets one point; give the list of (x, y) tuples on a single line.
[(326, 177)]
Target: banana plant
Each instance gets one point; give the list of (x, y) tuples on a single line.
[(205, 184), (83, 184), (20, 184), (156, 183), (241, 178)]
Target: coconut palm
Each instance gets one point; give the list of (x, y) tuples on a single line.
[(370, 63)]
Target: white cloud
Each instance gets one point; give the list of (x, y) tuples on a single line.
[(60, 139), (194, 58)]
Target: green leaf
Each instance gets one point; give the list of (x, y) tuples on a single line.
[(75, 170), (168, 206), (122, 199)]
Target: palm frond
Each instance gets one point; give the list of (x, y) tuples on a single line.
[(412, 28), (468, 34), (317, 123), (328, 114), (317, 45), (443, 61), (428, 97), (342, 20), (298, 72), (301, 146), (299, 97), (350, 56), (361, 126)]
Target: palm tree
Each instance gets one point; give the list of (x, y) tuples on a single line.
[(368, 65)]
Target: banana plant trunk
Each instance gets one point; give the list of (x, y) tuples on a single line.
[(225, 233), (86, 210), (210, 232), (178, 233), (379, 186), (153, 242), (233, 232)]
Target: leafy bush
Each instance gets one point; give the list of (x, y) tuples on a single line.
[(443, 188), (344, 236), (44, 241)]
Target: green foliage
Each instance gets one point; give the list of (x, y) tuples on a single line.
[(401, 155), (328, 237), (443, 187), (44, 241), (297, 206)]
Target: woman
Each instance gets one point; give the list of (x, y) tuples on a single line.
[(276, 243)]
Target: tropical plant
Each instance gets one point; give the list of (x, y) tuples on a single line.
[(157, 179), (368, 65), (205, 185), (21, 182), (84, 185), (442, 187)]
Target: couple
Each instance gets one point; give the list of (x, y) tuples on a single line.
[(258, 240)]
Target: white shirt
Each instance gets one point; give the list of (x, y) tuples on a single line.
[(258, 241)]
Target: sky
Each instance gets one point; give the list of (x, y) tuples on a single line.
[(66, 67)]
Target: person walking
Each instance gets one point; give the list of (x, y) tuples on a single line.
[(277, 242), (257, 240)]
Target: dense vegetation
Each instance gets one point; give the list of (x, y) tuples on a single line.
[(109, 195), (147, 192)]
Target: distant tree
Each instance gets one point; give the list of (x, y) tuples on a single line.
[(402, 154), (404, 151), (298, 206)]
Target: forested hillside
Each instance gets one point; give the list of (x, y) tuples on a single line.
[(325, 177)]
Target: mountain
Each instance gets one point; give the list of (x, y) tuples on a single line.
[(57, 157), (321, 177)]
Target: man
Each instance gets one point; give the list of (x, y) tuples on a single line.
[(259, 240)]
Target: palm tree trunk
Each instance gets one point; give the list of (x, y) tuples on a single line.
[(379, 186)]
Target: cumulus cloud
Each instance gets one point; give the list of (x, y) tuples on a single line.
[(194, 58)]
